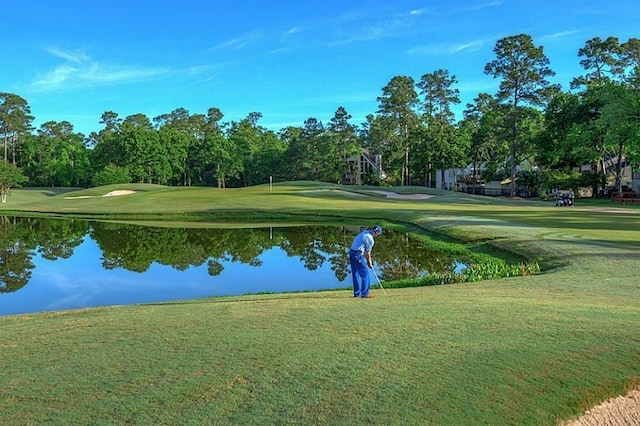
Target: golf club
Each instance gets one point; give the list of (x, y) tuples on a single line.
[(379, 283)]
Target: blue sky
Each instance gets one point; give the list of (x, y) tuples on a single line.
[(288, 59)]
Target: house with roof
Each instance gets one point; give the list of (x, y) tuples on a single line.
[(362, 166), (469, 179)]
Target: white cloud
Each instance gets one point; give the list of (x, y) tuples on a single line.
[(418, 12), (557, 36), (386, 29), (292, 30), (75, 57), (281, 50), (80, 70), (483, 5), (376, 23), (238, 42), (448, 49)]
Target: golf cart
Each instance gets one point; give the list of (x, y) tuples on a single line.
[(564, 198)]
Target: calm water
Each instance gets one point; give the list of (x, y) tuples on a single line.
[(48, 264)]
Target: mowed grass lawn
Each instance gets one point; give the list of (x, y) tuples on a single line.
[(533, 350)]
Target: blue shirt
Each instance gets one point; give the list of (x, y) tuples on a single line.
[(363, 242)]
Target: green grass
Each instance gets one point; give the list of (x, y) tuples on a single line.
[(530, 350)]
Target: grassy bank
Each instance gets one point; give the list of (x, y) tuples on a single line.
[(528, 350)]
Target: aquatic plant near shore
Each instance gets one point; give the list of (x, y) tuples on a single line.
[(488, 270)]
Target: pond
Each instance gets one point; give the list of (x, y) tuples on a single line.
[(56, 264)]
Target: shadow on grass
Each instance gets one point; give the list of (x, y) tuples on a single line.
[(52, 192)]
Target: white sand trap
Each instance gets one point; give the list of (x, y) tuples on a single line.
[(109, 194), (620, 411), (387, 194), (403, 196), (119, 192)]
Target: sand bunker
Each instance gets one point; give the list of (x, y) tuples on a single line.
[(120, 192), (387, 194), (109, 194), (620, 411), (403, 196)]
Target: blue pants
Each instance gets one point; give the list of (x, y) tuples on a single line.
[(359, 274)]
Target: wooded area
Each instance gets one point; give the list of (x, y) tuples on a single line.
[(414, 132)]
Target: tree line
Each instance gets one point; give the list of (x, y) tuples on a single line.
[(414, 131)]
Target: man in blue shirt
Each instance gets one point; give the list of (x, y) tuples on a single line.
[(360, 258)]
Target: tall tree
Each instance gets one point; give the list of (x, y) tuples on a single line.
[(291, 138), (630, 61), (245, 137), (179, 119), (111, 121), (608, 121), (524, 69), (438, 95), (484, 126), (56, 156), (599, 60), (396, 106), (621, 119), (178, 131), (175, 143), (571, 137), (343, 139), (198, 159), (269, 159), (146, 159), (15, 119), (218, 151), (311, 154), (108, 147)]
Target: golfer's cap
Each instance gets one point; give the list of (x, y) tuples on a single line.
[(377, 229)]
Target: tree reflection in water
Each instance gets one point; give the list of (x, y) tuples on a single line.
[(137, 248)]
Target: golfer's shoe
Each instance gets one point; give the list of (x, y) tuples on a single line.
[(368, 296)]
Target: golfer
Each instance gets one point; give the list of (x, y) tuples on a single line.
[(360, 258)]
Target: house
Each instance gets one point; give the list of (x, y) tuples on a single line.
[(469, 179), (629, 177), (362, 165)]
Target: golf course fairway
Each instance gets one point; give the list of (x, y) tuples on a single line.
[(531, 350)]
